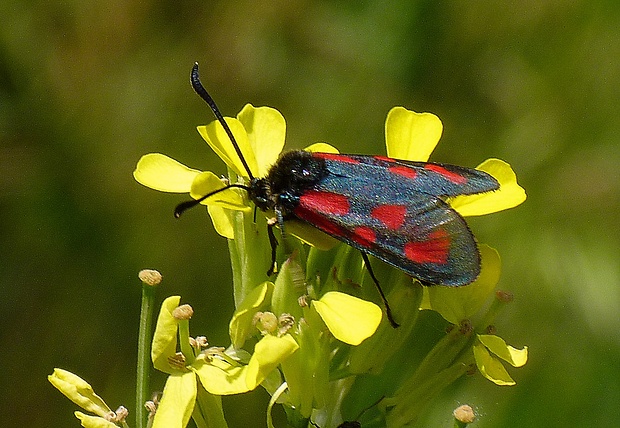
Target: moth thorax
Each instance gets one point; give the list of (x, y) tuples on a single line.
[(295, 172)]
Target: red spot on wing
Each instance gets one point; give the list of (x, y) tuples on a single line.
[(393, 216), (364, 236), (449, 175), (335, 157), (325, 202), (433, 250), (319, 221), (405, 171), (384, 158)]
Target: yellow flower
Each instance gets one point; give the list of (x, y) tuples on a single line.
[(81, 393), (490, 351), (413, 136), (217, 372), (259, 132)]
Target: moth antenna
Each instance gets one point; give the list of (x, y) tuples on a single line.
[(202, 92), (184, 206)]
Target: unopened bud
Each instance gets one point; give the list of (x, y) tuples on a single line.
[(150, 277), (464, 414), (183, 312), (266, 322)]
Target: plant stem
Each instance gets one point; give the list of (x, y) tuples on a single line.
[(144, 358)]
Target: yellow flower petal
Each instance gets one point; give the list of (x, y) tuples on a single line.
[(222, 221), (509, 195), (266, 130), (269, 352), (241, 326), (490, 367), (410, 135), (177, 401), (79, 391), (219, 141), (220, 378), (165, 337), (162, 173), (350, 320), (497, 345), (321, 148), (88, 421), (207, 182), (458, 303)]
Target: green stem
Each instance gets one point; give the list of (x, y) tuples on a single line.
[(459, 424), (250, 253), (408, 408), (186, 348), (144, 357), (439, 358)]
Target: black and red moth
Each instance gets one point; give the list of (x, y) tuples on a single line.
[(392, 209)]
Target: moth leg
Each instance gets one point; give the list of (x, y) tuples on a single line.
[(274, 245), (388, 311), (279, 221)]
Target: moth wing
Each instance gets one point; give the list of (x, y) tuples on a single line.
[(423, 177), (417, 233)]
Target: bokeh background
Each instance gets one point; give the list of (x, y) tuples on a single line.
[(87, 87)]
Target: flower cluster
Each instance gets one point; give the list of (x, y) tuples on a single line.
[(315, 338)]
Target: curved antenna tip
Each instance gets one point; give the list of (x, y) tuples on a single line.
[(184, 206)]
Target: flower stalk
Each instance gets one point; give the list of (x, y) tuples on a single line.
[(150, 279)]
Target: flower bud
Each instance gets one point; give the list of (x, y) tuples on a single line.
[(183, 312), (150, 277), (464, 414), (266, 322)]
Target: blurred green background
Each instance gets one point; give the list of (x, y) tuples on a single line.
[(87, 87)]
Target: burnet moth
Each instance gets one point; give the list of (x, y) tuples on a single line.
[(392, 209)]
